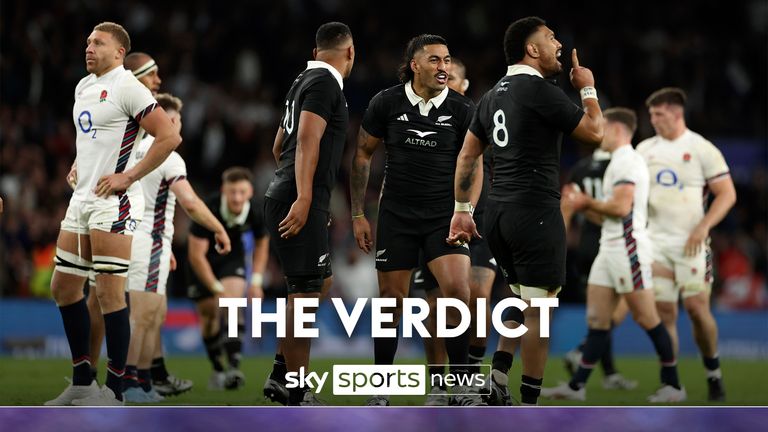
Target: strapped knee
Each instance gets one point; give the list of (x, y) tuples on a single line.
[(67, 262), (304, 284), (110, 265)]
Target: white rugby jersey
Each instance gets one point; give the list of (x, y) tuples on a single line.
[(106, 114), (679, 172), (159, 200), (626, 167)]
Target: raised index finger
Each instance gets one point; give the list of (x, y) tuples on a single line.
[(574, 59)]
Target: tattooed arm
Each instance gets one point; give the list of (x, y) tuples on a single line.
[(467, 186), (358, 184)]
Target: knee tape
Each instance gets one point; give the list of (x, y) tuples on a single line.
[(304, 284), (67, 262), (665, 290), (110, 265)]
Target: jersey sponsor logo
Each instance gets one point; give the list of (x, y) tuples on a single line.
[(668, 178), (83, 119), (403, 117), (422, 134), (103, 96)]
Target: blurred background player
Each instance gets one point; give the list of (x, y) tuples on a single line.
[(105, 208), (421, 122), (623, 264), (308, 148), (481, 274), (524, 117), (685, 168), (214, 275), (151, 256), (587, 174)]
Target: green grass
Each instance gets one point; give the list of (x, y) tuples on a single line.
[(31, 382)]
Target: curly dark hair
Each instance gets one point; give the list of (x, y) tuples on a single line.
[(517, 33), (405, 73)]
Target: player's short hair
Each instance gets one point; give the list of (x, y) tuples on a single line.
[(169, 102), (331, 35), (667, 95), (236, 174), (135, 60), (517, 34), (622, 115), (117, 31), (405, 73), (459, 64)]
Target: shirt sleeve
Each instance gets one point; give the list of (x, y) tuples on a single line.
[(471, 108), (558, 110), (321, 96), (629, 171), (135, 99), (375, 117), (476, 125), (174, 168), (712, 161)]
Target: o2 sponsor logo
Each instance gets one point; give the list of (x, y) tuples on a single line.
[(668, 178)]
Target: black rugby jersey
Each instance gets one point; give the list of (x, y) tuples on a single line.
[(421, 150), (317, 90), (523, 117), (588, 174), (254, 222)]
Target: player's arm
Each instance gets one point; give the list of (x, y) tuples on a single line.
[(358, 185), (467, 183), (590, 127), (311, 129), (618, 206), (201, 214), (197, 247), (725, 197), (260, 257), (277, 146), (167, 138)]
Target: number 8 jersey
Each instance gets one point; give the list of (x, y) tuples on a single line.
[(106, 114)]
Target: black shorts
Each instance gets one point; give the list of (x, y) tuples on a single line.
[(405, 230), (229, 267), (306, 254), (422, 278), (479, 251), (528, 243)]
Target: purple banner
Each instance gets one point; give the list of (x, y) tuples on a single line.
[(388, 419)]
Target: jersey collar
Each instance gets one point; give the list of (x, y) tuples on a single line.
[(522, 69), (230, 219), (425, 106), (317, 64), (118, 69)]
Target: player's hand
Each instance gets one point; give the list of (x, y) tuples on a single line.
[(173, 262), (112, 184), (696, 240), (577, 200), (565, 197), (463, 229), (362, 230), (580, 76), (295, 220), (255, 291), (1, 205), (223, 244), (72, 176)]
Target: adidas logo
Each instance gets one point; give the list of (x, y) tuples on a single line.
[(492, 261), (417, 278), (403, 117)]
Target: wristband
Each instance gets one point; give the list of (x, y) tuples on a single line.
[(217, 287), (588, 93), (463, 207), (361, 215), (257, 278)]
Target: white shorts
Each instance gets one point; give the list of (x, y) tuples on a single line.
[(150, 263), (623, 268), (114, 214), (693, 275)]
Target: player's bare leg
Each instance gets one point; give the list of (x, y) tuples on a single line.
[(97, 325), (234, 287), (210, 329), (144, 311), (480, 284), (434, 351), (705, 334), (663, 276), (163, 382), (72, 264)]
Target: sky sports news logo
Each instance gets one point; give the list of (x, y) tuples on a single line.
[(391, 380)]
